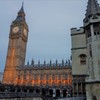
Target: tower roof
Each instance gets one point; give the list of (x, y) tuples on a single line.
[(92, 8), (22, 8), (21, 15)]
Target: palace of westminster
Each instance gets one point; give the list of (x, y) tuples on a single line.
[(81, 78)]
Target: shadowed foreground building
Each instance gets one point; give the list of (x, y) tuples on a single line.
[(86, 53), (56, 77)]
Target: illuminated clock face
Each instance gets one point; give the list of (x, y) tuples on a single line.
[(15, 29), (25, 32)]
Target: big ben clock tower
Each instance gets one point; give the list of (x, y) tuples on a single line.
[(17, 47)]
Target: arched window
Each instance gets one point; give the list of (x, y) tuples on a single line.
[(82, 59)]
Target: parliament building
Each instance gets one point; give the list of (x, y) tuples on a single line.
[(57, 77), (60, 79)]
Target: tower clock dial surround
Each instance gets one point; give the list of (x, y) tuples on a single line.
[(15, 29), (25, 32)]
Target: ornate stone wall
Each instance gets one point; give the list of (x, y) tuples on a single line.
[(44, 75)]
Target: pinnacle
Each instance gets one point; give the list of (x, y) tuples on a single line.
[(21, 14), (92, 8), (22, 8)]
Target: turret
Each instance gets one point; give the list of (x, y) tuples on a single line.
[(92, 12)]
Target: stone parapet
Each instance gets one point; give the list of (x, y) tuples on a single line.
[(77, 31)]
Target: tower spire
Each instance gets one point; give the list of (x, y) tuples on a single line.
[(21, 11), (22, 8), (92, 8), (21, 14)]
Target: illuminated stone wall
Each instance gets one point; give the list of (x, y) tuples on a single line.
[(44, 75)]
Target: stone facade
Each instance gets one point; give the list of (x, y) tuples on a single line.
[(87, 42), (52, 79), (44, 75), (79, 51)]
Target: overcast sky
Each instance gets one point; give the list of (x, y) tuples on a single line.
[(49, 24)]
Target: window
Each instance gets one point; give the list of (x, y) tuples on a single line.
[(96, 32), (96, 29), (82, 59), (90, 50), (88, 32)]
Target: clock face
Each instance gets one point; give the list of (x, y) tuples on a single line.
[(15, 29), (25, 32)]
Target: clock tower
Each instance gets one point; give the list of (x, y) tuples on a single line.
[(17, 47)]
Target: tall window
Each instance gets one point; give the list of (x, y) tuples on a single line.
[(82, 59), (88, 32), (96, 29), (90, 50)]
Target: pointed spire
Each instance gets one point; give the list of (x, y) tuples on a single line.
[(22, 8), (62, 62), (28, 63), (66, 62), (44, 63), (39, 63), (21, 11), (56, 62), (69, 63), (32, 62), (21, 14), (92, 8), (50, 62)]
